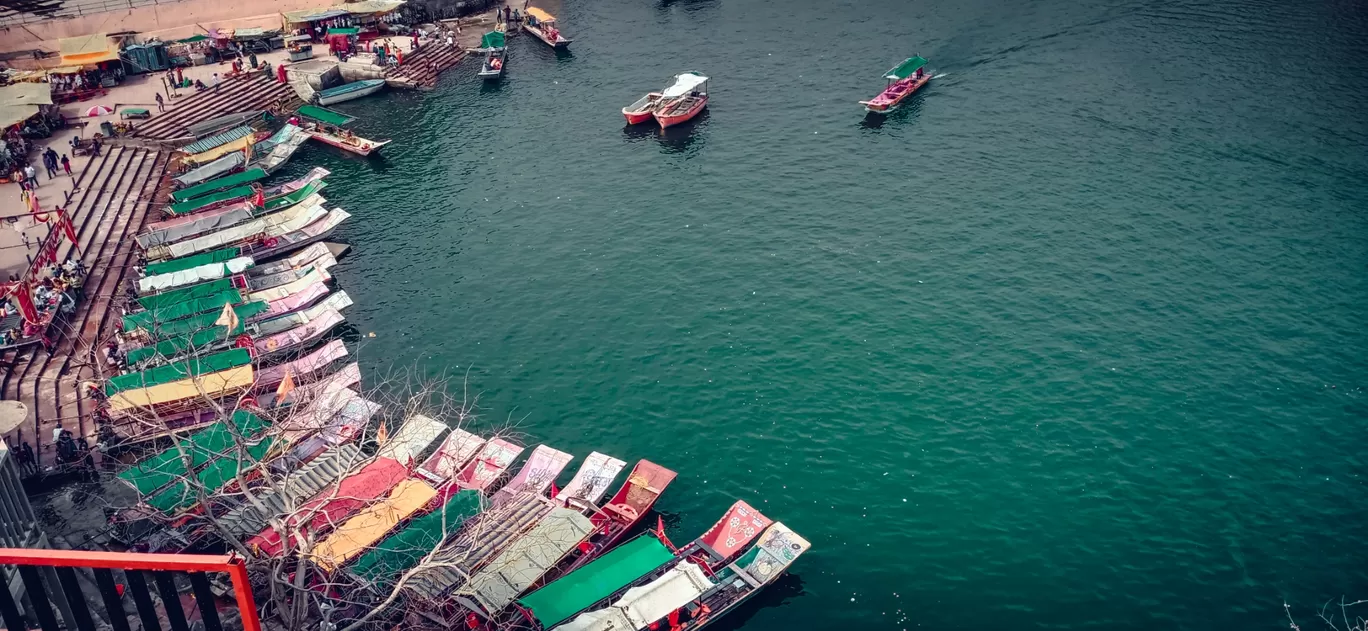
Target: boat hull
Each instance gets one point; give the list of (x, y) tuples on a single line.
[(541, 35), (874, 107), (354, 94), (361, 148), (672, 119), (491, 75), (642, 113)]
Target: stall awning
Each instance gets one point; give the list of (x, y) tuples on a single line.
[(87, 49), (351, 30), (255, 31), (20, 101), (370, 6), (310, 15)]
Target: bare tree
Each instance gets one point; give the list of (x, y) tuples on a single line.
[(1327, 616)]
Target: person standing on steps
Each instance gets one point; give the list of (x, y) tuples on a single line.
[(66, 164), (161, 105), (31, 175)]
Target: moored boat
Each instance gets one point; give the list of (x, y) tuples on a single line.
[(496, 56), (349, 91), (683, 100), (903, 79), (344, 139), (543, 26), (643, 110)]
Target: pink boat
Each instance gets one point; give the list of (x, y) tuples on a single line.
[(903, 79), (683, 100), (488, 466)]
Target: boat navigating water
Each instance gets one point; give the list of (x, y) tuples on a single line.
[(903, 79), (349, 91), (542, 25), (496, 56)]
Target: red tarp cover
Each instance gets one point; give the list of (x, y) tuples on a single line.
[(741, 525), (330, 508)]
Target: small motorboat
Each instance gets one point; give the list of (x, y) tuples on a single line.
[(496, 56), (543, 25), (344, 139), (683, 100), (349, 91), (903, 79), (643, 110)]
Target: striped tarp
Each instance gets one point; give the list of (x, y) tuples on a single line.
[(217, 140)]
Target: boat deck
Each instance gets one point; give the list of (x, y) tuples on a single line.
[(107, 211)]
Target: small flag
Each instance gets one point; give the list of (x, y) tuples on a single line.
[(554, 492), (228, 318), (286, 386), (382, 434), (259, 200)]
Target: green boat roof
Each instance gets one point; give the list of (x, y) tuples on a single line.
[(189, 206), (194, 260), (578, 590), (325, 115), (167, 466), (905, 69), (193, 292), (219, 184), (218, 473), (203, 320), (154, 319), (492, 39), (173, 346), (294, 198), (402, 551), (179, 370)]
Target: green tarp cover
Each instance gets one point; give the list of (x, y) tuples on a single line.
[(344, 31), (241, 192), (293, 198), (218, 474), (492, 39), (179, 370), (193, 292), (212, 186), (324, 115), (173, 346), (163, 468), (383, 563), (905, 69), (198, 37), (164, 330), (194, 260), (597, 580), (218, 140), (154, 319)]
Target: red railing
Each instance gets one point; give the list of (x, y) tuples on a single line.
[(161, 565)]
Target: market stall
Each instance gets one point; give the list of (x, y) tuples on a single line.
[(90, 65)]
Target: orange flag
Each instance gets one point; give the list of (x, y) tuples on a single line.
[(382, 434), (286, 386)]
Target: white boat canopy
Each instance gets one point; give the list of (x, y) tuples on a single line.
[(684, 84)]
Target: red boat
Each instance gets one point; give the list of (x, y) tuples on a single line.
[(643, 110), (631, 503), (683, 100), (903, 79)]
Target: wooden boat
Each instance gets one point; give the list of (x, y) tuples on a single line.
[(540, 470), (345, 140), (283, 145), (543, 26), (643, 110), (683, 100), (216, 125), (496, 56), (349, 91), (903, 79), (629, 505)]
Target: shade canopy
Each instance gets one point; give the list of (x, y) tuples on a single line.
[(87, 49), (212, 186), (905, 69), (324, 115), (492, 39), (541, 15), (596, 581), (21, 101), (684, 84)]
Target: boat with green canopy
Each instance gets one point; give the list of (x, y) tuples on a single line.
[(217, 474), (150, 319), (213, 186), (597, 581), (195, 323), (903, 79), (172, 348), (179, 370), (184, 294), (325, 115), (209, 202), (382, 565), (161, 469), (192, 261), (496, 56)]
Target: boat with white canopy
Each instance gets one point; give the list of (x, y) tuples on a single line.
[(683, 100)]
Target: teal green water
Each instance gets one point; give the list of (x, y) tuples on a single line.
[(1076, 340)]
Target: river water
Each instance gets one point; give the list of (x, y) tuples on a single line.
[(1076, 340)]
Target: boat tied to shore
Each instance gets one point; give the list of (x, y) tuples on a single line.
[(496, 56), (542, 25), (683, 100), (903, 79), (349, 91)]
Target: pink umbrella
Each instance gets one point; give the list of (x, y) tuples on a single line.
[(99, 110)]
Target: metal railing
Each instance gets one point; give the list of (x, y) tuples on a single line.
[(30, 11), (70, 597)]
